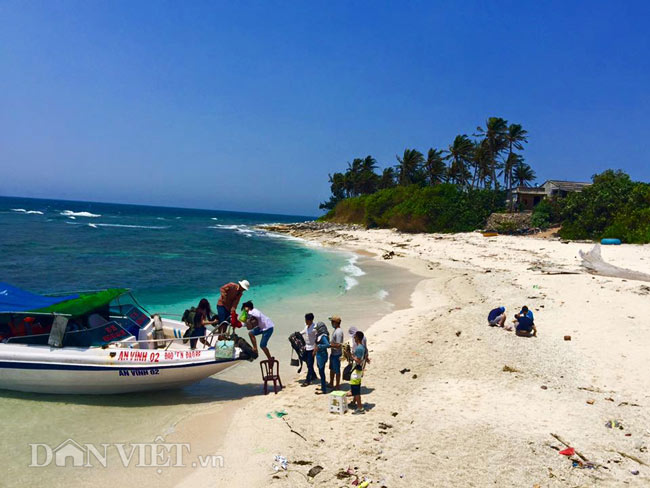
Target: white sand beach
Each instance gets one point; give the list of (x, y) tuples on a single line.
[(453, 402)]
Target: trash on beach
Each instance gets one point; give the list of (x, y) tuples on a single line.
[(590, 401), (282, 463), (277, 414), (510, 369), (567, 337), (313, 472), (614, 424), (635, 472), (569, 451), (544, 387)]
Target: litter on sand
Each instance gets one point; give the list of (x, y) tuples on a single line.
[(569, 451), (282, 463), (277, 413), (614, 424)]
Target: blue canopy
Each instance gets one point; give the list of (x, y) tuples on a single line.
[(14, 299)]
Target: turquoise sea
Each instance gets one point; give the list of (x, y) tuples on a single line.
[(170, 258)]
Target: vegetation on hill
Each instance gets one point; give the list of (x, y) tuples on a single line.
[(448, 190), (614, 206)]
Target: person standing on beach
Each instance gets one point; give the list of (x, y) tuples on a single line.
[(322, 345), (352, 331), (260, 324), (309, 333), (337, 349), (358, 355), (230, 295)]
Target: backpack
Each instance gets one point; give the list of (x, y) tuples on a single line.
[(188, 319), (297, 342)]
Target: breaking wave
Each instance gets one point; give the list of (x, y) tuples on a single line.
[(352, 272), (70, 213), (22, 210)]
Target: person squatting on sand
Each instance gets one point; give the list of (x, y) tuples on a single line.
[(309, 333), (320, 351), (336, 346), (360, 353), (258, 324), (229, 300), (525, 323), (497, 317)]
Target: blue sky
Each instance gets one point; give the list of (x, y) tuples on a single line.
[(249, 105)]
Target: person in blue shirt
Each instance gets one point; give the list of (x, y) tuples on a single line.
[(497, 317), (525, 323), (320, 351)]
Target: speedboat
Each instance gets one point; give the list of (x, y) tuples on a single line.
[(100, 342)]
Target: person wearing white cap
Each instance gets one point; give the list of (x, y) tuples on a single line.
[(230, 295), (364, 342)]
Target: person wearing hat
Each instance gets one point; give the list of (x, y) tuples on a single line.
[(352, 331), (336, 346), (230, 295)]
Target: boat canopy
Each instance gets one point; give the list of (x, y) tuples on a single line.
[(14, 299)]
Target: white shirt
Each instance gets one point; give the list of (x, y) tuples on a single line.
[(309, 332), (263, 322)]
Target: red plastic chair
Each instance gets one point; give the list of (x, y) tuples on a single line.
[(271, 372)]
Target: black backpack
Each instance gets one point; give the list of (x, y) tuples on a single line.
[(297, 342)]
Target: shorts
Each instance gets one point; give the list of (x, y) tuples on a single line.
[(266, 335), (355, 390), (335, 363), (496, 320)]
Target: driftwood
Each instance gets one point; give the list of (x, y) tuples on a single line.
[(294, 431), (629, 456), (578, 453), (594, 263)]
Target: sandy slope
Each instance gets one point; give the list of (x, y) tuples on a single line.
[(457, 418)]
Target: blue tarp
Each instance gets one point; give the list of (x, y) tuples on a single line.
[(14, 299)]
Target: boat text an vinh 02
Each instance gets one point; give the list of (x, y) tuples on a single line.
[(99, 343)]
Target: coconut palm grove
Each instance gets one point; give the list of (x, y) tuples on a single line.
[(456, 189)]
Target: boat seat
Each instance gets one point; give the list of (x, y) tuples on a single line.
[(96, 320)]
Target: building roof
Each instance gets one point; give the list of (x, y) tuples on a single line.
[(568, 185)]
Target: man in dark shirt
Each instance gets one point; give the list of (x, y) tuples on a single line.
[(497, 316)]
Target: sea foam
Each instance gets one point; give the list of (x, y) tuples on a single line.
[(22, 210), (352, 272), (70, 213)]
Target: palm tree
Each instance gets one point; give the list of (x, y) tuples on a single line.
[(460, 153), (494, 136), (387, 178), (435, 167), (515, 137), (410, 167), (524, 174)]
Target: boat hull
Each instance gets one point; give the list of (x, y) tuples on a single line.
[(103, 371)]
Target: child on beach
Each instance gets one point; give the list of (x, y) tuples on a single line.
[(322, 344), (358, 356)]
